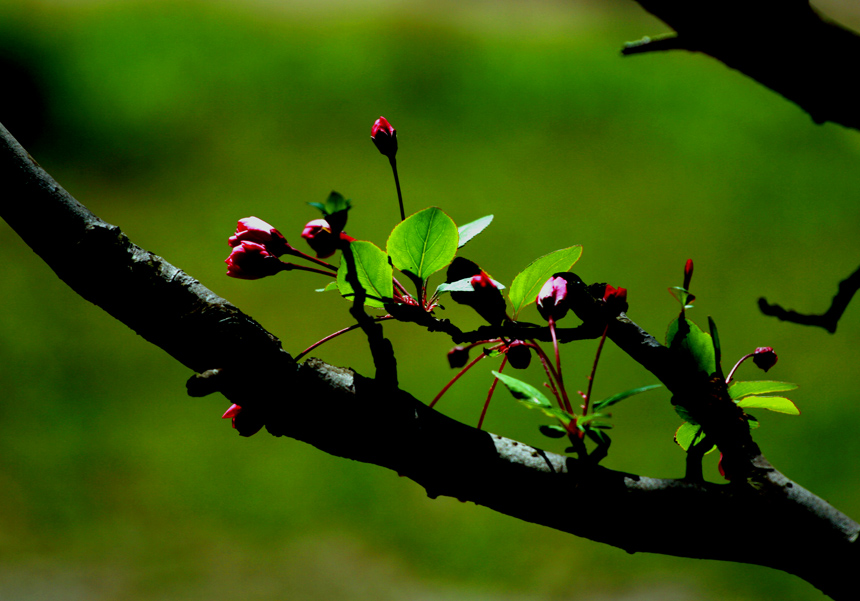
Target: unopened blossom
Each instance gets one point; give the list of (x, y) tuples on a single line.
[(613, 293), (764, 357), (320, 238), (384, 136), (552, 299), (253, 229), (458, 357), (231, 413), (251, 261), (519, 354)]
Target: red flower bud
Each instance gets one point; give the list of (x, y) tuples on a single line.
[(613, 293), (252, 229), (231, 413), (458, 357), (519, 354), (251, 261), (482, 280), (688, 274), (320, 238), (552, 299), (764, 357), (384, 136)]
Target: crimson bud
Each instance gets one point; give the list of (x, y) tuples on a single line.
[(552, 299), (458, 357), (519, 354), (384, 136), (251, 261), (252, 229), (764, 357)]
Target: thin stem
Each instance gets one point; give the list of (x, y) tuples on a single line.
[(335, 335), (297, 253), (294, 266), (455, 378), (558, 365), (393, 162), (551, 375), (594, 369), (737, 365), (490, 393)]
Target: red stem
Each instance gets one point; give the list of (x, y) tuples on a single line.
[(336, 334), (737, 365), (490, 393), (593, 370), (455, 378)]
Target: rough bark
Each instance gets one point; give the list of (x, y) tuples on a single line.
[(795, 531)]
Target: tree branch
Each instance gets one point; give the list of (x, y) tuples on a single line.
[(784, 45), (827, 320), (390, 428)]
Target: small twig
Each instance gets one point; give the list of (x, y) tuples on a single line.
[(827, 320)]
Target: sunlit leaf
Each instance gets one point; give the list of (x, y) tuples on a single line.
[(527, 284), (470, 230), (524, 392), (464, 285), (329, 287), (623, 395), (374, 273), (771, 403), (688, 435), (738, 390), (424, 243), (686, 337)]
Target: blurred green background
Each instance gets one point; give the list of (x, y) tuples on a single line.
[(175, 119)]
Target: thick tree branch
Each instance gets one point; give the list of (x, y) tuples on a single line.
[(390, 428), (782, 44)]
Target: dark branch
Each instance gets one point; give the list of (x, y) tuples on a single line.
[(783, 45), (827, 320), (390, 428)]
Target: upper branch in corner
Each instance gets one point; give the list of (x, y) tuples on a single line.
[(788, 48)]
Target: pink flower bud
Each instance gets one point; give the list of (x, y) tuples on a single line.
[(482, 280), (231, 413), (252, 229), (458, 357), (320, 238), (764, 357), (519, 354), (552, 299), (251, 261), (616, 294), (385, 137)]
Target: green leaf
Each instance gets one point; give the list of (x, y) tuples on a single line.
[(738, 390), (686, 337), (374, 274), (524, 392), (527, 284), (424, 243), (682, 296), (464, 285), (623, 395), (553, 431), (771, 403), (470, 230), (690, 435), (330, 286)]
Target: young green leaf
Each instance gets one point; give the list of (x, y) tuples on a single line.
[(623, 395), (424, 243), (464, 285), (686, 337), (374, 274), (689, 435), (334, 203), (738, 390), (470, 230), (553, 431), (527, 284), (524, 392), (330, 286), (771, 403)]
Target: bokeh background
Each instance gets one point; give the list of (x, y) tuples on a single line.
[(175, 119)]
